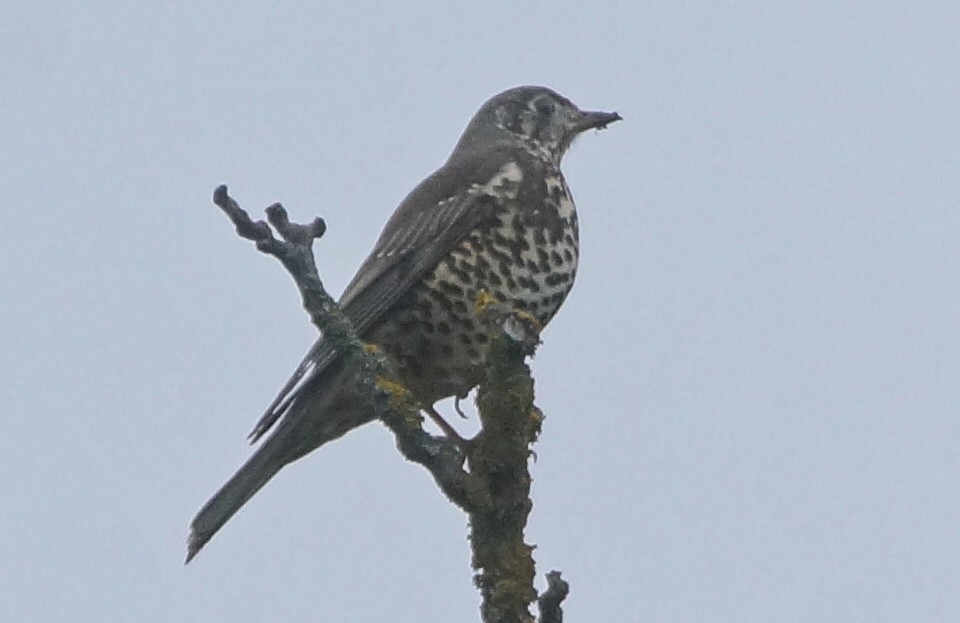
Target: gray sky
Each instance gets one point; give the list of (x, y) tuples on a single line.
[(751, 396)]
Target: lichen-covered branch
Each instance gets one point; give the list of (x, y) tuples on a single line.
[(503, 561), (494, 487)]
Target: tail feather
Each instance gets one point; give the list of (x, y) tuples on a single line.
[(249, 479), (329, 410)]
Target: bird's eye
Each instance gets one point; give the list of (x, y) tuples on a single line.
[(545, 107)]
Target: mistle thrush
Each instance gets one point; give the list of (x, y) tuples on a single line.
[(496, 217)]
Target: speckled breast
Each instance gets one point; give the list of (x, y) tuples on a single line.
[(524, 256)]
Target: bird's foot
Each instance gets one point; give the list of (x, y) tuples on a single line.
[(456, 406)]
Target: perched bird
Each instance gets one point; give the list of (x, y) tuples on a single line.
[(496, 217)]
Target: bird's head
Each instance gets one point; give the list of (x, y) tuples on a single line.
[(535, 118)]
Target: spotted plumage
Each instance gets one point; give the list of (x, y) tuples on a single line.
[(499, 218), (523, 258)]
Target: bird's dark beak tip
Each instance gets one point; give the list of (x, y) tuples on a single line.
[(614, 116), (598, 120)]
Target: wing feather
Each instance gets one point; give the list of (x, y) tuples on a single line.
[(434, 217)]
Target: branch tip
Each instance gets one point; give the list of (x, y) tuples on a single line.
[(318, 228), (277, 216), (550, 600), (220, 195)]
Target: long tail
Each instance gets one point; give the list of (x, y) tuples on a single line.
[(324, 411), (259, 468)]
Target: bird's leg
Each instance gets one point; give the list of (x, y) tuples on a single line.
[(448, 430)]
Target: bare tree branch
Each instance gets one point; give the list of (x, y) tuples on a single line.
[(495, 489), (511, 422), (550, 600)]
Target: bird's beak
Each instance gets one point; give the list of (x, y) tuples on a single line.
[(594, 119)]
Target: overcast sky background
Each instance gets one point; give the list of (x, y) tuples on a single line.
[(751, 396)]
